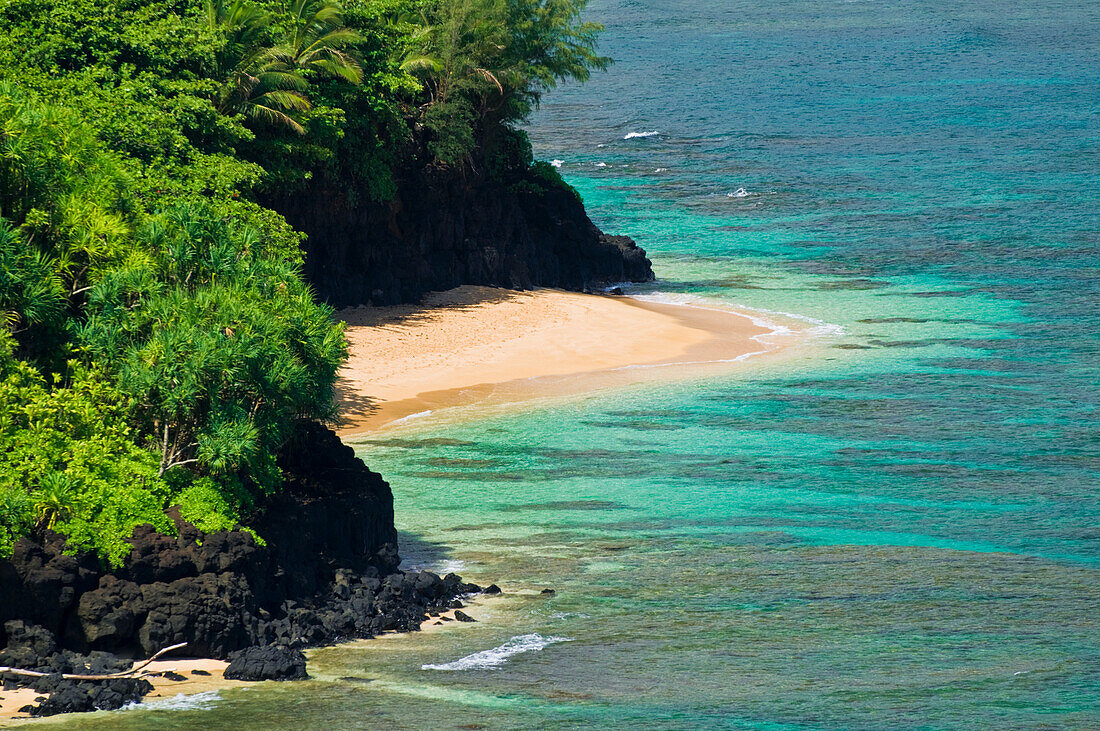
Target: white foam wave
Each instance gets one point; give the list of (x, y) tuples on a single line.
[(557, 163), (818, 328), (756, 314), (452, 566), (601, 164), (494, 658), (739, 193), (635, 135), (410, 417), (661, 170), (180, 702), (770, 340)]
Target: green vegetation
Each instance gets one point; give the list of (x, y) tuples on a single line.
[(157, 341)]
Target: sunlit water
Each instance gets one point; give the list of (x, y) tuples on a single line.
[(896, 527)]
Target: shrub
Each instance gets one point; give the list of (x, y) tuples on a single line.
[(70, 461)]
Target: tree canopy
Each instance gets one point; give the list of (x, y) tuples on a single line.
[(157, 341)]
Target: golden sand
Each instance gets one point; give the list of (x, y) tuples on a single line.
[(480, 344)]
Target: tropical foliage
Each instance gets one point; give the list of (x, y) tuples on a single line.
[(484, 63), (72, 460), (157, 341)]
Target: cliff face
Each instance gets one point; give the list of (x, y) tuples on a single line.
[(218, 592), (443, 230)]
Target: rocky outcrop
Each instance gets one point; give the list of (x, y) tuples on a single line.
[(327, 573), (211, 590), (72, 696), (266, 663), (260, 643), (32, 647), (442, 230)]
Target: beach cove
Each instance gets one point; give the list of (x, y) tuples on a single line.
[(891, 524), (483, 346), (544, 347)]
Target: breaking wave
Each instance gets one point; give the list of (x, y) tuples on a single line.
[(494, 658)]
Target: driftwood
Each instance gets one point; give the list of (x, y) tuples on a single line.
[(74, 676)]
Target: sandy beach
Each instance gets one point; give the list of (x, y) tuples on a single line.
[(485, 345), (191, 676), (199, 675)]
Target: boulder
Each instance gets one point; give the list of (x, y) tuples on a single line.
[(274, 662), (70, 696)]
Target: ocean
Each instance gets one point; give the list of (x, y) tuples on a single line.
[(898, 526)]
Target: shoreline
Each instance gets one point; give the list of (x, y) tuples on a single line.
[(197, 675), (481, 345), (486, 346), (185, 677)]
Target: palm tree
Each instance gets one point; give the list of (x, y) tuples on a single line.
[(266, 82), (242, 27), (318, 41), (255, 85), (458, 50), (53, 499), (416, 56)]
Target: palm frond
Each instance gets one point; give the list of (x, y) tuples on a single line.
[(282, 80), (421, 62), (486, 73), (335, 69), (288, 100)]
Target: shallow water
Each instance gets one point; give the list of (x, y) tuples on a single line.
[(897, 527)]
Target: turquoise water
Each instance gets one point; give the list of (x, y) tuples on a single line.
[(900, 526)]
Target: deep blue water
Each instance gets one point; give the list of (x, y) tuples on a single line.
[(899, 527)]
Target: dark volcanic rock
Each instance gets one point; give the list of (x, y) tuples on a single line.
[(108, 616), (334, 512), (223, 592), (70, 696), (267, 663), (28, 646), (211, 613), (444, 229), (42, 584), (327, 573)]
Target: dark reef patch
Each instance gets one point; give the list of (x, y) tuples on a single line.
[(565, 505), (459, 462)]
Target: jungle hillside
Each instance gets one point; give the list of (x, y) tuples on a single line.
[(158, 343)]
